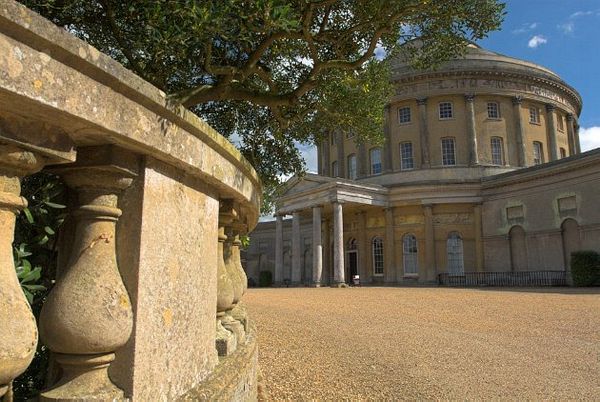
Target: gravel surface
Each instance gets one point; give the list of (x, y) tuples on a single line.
[(428, 343)]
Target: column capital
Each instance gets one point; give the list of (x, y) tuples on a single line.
[(421, 101), (470, 97), (550, 107), (517, 100)]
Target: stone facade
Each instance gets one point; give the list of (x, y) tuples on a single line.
[(481, 171)]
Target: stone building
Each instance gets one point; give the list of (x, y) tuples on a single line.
[(481, 171)]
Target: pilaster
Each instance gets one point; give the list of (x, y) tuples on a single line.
[(423, 133), (521, 139), (551, 132), (471, 129)]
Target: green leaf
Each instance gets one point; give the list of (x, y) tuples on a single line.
[(28, 295), (49, 230), (54, 205), (28, 215), (34, 288)]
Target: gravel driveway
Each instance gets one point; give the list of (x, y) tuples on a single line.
[(428, 343)]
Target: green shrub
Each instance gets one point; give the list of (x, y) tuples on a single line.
[(585, 268), (265, 279)]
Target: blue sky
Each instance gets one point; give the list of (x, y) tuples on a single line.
[(562, 35)]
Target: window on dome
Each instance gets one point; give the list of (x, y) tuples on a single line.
[(538, 154), (560, 123), (534, 115), (375, 154), (446, 110), (404, 115), (493, 110), (335, 171), (497, 151), (352, 167), (563, 153), (406, 156), (448, 152)]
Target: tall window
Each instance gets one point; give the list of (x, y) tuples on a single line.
[(377, 245), (534, 115), (493, 110), (446, 110), (497, 151), (409, 252), (375, 154), (335, 171), (538, 154), (448, 152), (561, 124), (454, 251), (406, 156), (352, 167), (404, 115), (563, 153)]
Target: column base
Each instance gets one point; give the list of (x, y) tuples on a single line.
[(339, 285), (235, 327), (315, 285), (225, 341), (85, 377), (240, 314)]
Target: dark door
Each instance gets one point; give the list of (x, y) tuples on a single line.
[(352, 265)]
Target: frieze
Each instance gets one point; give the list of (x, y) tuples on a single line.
[(409, 90), (409, 219), (458, 218), (376, 222)]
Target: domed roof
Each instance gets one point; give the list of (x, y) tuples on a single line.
[(477, 58)]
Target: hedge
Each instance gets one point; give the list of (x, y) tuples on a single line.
[(585, 268)]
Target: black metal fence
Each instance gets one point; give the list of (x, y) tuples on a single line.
[(529, 278)]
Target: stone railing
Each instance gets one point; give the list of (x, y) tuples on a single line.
[(148, 292)]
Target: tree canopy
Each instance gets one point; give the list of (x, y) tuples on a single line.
[(275, 72)]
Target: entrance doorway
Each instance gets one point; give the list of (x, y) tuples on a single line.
[(352, 261)]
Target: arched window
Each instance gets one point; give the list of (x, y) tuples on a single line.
[(410, 254), (375, 155), (352, 167), (518, 249), (563, 153), (497, 151), (377, 246), (352, 245), (454, 251)]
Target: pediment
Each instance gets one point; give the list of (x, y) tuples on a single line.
[(302, 184)]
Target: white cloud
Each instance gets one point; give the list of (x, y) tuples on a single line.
[(567, 27), (528, 26), (309, 153), (581, 14), (536, 41), (589, 137)]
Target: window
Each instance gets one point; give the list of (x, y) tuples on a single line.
[(493, 110), (349, 134), (538, 154), (375, 160), (561, 124), (404, 115), (409, 253), (497, 151), (563, 153), (377, 246), (334, 169), (454, 251), (332, 138), (406, 156), (446, 110), (448, 154), (534, 115), (352, 167)]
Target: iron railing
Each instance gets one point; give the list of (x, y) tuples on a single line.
[(527, 278)]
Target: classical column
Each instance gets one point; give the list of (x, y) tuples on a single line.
[(326, 156), (338, 245), (577, 143), (341, 158), (362, 160), (388, 249), (327, 250), (471, 130), (278, 280), (363, 247), (319, 158), (478, 238), (317, 245), (429, 243), (551, 132), (88, 314), (18, 330), (387, 131), (519, 131), (296, 249), (571, 133), (423, 133)]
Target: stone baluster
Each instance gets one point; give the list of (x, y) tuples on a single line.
[(18, 330), (88, 314), (226, 341), (239, 312)]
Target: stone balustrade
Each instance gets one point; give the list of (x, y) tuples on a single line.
[(151, 251)]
